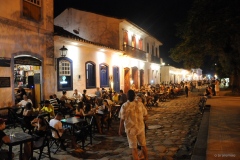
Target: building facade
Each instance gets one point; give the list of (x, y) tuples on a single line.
[(26, 49), (101, 52), (122, 54)]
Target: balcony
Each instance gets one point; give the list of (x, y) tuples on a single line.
[(134, 52), (155, 59)]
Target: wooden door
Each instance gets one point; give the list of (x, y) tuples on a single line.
[(135, 77), (37, 90), (126, 80)]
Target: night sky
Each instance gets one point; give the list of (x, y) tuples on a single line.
[(158, 17)]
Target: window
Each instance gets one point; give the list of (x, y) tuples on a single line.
[(90, 68), (140, 44), (133, 41), (125, 38), (32, 9), (104, 81), (64, 71)]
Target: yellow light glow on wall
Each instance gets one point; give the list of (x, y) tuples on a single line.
[(134, 63), (142, 65), (101, 57), (125, 61), (116, 59), (155, 67), (73, 54)]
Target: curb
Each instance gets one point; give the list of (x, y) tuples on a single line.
[(200, 147)]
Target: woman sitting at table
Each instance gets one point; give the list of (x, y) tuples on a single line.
[(64, 99), (82, 111), (102, 114), (40, 131), (48, 108)]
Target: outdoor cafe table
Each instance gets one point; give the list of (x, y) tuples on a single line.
[(19, 139), (72, 121)]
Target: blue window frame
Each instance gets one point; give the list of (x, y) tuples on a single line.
[(64, 74), (90, 69), (104, 80)]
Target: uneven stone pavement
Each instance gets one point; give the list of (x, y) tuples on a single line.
[(173, 128)]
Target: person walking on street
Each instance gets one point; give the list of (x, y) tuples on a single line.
[(132, 118), (186, 89), (213, 86), (217, 87)]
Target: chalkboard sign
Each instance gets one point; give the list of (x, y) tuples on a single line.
[(5, 62), (36, 78), (4, 82)]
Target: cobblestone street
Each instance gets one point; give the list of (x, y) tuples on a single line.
[(173, 128)]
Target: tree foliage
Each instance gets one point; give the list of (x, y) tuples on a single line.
[(211, 34)]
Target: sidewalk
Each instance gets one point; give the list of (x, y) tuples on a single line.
[(224, 128)]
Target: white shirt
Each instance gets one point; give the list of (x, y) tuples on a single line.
[(23, 102), (57, 125)]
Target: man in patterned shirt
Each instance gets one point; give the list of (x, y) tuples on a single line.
[(132, 118)]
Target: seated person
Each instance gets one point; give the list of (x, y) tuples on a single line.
[(102, 114), (28, 109), (57, 124), (48, 108), (207, 92), (85, 98), (20, 92), (40, 125), (35, 110), (3, 138), (65, 99), (52, 100), (24, 101), (115, 98), (55, 97), (77, 96), (82, 111)]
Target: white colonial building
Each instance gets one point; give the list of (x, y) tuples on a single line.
[(104, 52), (170, 74)]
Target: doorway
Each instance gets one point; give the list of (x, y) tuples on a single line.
[(27, 73), (135, 77), (141, 78), (116, 79)]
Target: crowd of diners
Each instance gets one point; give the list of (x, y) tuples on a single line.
[(97, 106)]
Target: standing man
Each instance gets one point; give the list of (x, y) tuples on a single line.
[(132, 118), (213, 86)]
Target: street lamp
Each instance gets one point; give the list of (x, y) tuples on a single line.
[(63, 51)]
